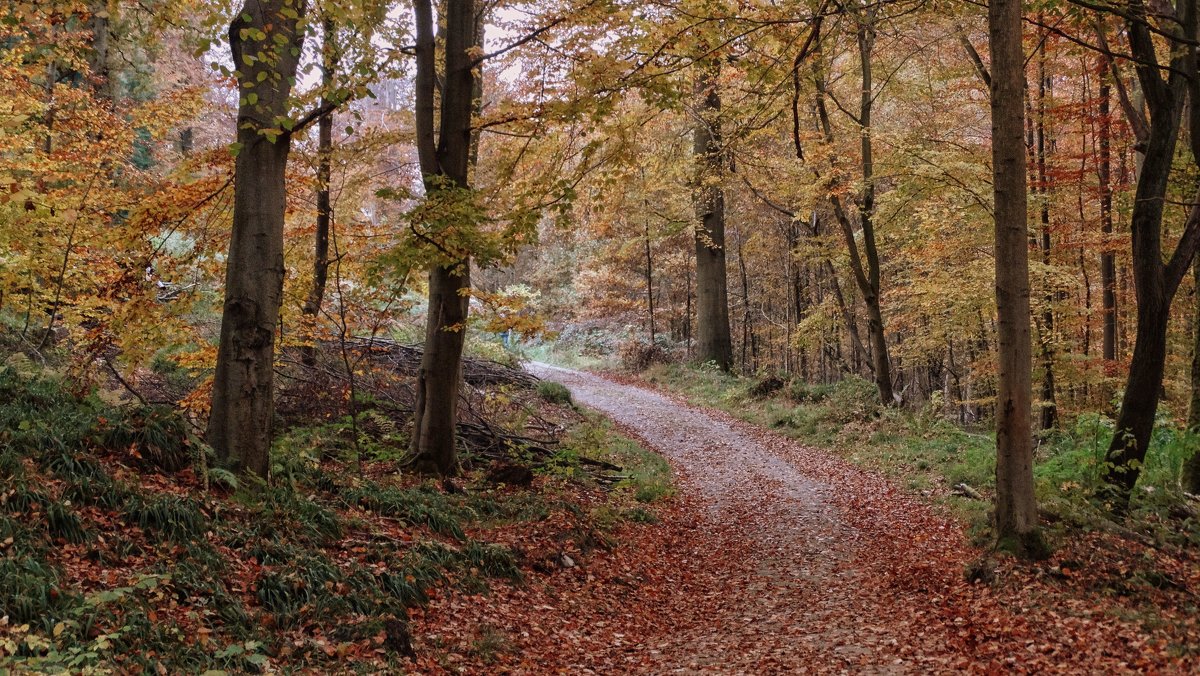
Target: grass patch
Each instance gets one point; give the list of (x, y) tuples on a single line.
[(555, 393), (422, 506), (166, 517), (647, 475)]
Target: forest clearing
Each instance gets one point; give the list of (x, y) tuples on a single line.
[(594, 336)]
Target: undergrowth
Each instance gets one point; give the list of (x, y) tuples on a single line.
[(113, 557), (932, 455)]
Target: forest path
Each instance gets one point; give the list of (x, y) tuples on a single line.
[(799, 562)]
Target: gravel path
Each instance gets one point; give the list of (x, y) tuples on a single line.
[(783, 582)]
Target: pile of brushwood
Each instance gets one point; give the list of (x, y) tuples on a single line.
[(367, 385)]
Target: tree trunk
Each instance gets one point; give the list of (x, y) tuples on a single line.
[(1191, 469), (440, 372), (1049, 409), (1016, 513), (98, 58), (865, 264), (1108, 277), (649, 278), (687, 313), (749, 342), (240, 424), (445, 156), (1154, 281), (713, 342), (1135, 422), (316, 292)]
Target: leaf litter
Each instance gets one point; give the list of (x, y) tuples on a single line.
[(780, 558)]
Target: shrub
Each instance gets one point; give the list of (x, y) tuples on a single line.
[(638, 354), (767, 386), (553, 392), (158, 436)]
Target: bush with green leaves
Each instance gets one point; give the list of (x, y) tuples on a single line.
[(555, 393)]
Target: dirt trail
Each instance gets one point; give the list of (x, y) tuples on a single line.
[(784, 582)]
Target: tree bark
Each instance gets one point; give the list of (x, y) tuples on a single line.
[(1108, 277), (1191, 468), (649, 278), (1016, 512), (445, 156), (440, 373), (1049, 409), (316, 292), (713, 341), (1154, 281), (98, 58), (240, 424)]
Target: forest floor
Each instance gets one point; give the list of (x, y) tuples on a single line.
[(751, 553), (783, 558)]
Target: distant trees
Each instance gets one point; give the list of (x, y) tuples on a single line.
[(846, 183)]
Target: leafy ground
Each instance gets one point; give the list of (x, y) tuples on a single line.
[(806, 561), (117, 557), (763, 555)]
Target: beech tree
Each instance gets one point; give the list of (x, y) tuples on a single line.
[(444, 150), (1156, 279), (321, 260), (1016, 513), (266, 40), (713, 342)]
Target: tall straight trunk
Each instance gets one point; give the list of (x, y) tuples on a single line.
[(870, 292), (316, 292), (439, 375), (713, 342), (749, 341), (1154, 281), (687, 313), (240, 424), (1108, 277), (649, 279), (445, 155), (1016, 512), (1049, 409)]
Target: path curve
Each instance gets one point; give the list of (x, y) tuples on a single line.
[(786, 592)]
